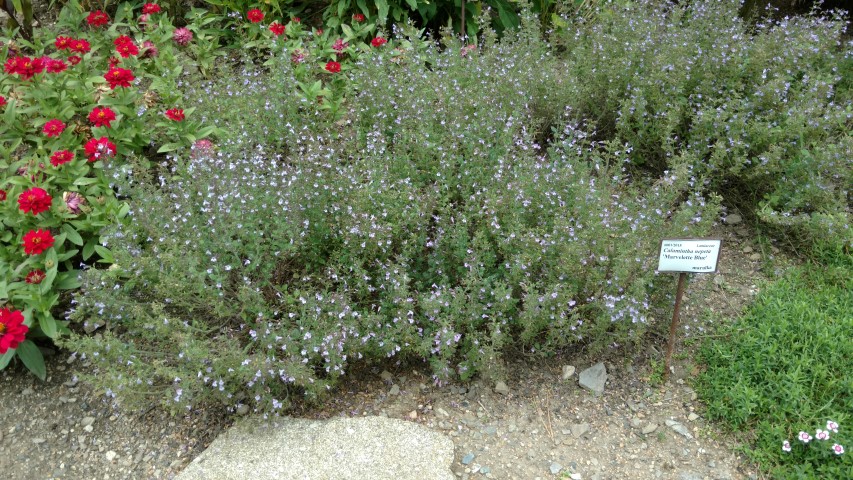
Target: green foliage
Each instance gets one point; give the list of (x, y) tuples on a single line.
[(19, 17), (785, 367), (80, 188), (760, 113)]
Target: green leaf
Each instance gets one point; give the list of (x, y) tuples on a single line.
[(47, 283), (89, 249), (169, 147), (30, 354), (67, 280), (85, 181), (105, 253), (72, 235), (6, 358), (412, 4), (48, 324), (382, 7)]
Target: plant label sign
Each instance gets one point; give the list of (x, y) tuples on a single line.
[(689, 255)]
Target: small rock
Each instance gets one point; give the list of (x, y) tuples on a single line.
[(576, 476), (485, 470), (733, 219), (555, 468), (568, 371), (413, 415), (679, 428), (692, 417), (490, 430), (594, 378), (747, 250), (395, 390), (442, 412), (87, 421), (386, 376), (501, 388), (88, 428), (651, 427), (579, 429), (39, 441), (467, 459), (755, 257), (111, 455), (636, 422), (27, 391), (689, 476), (242, 410)]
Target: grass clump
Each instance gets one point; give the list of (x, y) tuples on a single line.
[(784, 368)]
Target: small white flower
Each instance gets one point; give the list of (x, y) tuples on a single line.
[(830, 425), (804, 437), (786, 446), (838, 449), (821, 435)]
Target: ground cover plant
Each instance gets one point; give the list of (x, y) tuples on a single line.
[(782, 373)]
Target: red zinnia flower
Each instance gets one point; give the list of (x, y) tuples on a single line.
[(333, 67), (80, 46), (149, 8), (176, 114), (378, 42), (2, 100), (97, 149), (119, 77), (53, 128), (37, 241), (35, 200), (276, 28), (127, 49), (12, 329), (35, 277), (182, 36), (2, 195), (74, 59), (358, 17), (26, 67), (254, 15), (61, 157), (102, 116), (97, 19), (56, 66), (62, 43)]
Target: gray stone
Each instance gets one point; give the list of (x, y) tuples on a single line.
[(242, 409), (692, 417), (500, 387), (747, 250), (755, 257), (555, 468), (87, 421), (386, 376), (485, 470), (593, 378), (579, 429), (490, 430), (689, 476), (651, 427), (467, 459), (733, 219), (568, 371), (111, 455), (679, 428), (395, 390), (368, 448)]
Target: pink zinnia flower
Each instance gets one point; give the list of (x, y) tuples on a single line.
[(182, 36), (838, 449), (73, 200), (149, 50)]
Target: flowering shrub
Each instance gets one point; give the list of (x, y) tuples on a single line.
[(69, 121), (760, 112), (430, 224)]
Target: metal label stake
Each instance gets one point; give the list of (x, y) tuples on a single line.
[(685, 256)]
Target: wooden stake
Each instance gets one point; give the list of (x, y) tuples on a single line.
[(674, 325)]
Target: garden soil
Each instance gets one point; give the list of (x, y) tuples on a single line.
[(538, 424)]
